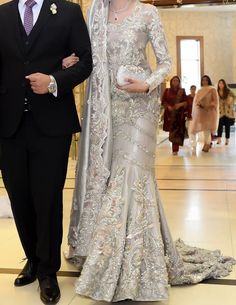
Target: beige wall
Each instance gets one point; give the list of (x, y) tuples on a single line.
[(217, 28), (233, 43)]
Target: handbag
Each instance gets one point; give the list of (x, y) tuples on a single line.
[(130, 71)]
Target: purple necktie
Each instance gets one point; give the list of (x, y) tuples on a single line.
[(28, 16)]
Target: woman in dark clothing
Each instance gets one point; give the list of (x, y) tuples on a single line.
[(190, 97), (174, 101)]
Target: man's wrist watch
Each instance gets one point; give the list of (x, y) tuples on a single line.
[(52, 87)]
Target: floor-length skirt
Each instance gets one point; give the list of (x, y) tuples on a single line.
[(131, 254)]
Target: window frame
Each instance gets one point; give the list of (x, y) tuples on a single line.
[(198, 38)]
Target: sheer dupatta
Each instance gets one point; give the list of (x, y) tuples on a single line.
[(95, 145)]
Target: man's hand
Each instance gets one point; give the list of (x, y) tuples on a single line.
[(39, 82)]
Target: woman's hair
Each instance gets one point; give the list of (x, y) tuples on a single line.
[(171, 81), (226, 90), (208, 80)]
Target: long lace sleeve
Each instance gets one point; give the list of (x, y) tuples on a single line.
[(159, 44)]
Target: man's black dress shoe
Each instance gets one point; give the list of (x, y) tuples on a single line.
[(49, 290), (27, 275)]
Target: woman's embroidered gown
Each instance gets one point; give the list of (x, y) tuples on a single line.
[(125, 238)]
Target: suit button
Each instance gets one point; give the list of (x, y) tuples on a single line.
[(27, 43), (26, 62)]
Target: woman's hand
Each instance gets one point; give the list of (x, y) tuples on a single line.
[(69, 61), (212, 105), (170, 108), (200, 106), (179, 105), (134, 86)]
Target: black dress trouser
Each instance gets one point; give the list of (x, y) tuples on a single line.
[(224, 121), (34, 168)]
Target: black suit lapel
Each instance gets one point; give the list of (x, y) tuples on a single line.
[(14, 22), (41, 22)]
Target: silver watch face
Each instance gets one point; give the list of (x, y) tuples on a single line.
[(51, 87)]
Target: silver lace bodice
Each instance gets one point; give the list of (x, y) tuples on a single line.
[(127, 43)]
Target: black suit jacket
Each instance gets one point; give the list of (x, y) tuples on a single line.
[(53, 37)]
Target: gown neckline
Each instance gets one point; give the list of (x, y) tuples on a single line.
[(135, 8)]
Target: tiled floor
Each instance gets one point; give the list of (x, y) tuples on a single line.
[(199, 198)]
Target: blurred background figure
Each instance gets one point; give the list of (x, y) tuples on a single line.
[(226, 104), (190, 99), (174, 101), (192, 94), (205, 114)]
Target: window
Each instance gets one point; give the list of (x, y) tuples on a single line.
[(190, 60)]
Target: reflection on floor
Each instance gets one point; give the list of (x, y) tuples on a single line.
[(199, 198)]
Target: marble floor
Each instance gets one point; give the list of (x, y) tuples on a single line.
[(199, 198)]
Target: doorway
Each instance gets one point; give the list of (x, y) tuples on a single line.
[(190, 60)]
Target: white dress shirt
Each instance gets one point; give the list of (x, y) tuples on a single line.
[(36, 9)]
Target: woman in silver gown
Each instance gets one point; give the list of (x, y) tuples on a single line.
[(118, 226)]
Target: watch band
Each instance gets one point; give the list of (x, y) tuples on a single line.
[(52, 87)]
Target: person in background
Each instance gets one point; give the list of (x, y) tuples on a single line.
[(190, 97), (174, 101), (205, 113), (226, 103)]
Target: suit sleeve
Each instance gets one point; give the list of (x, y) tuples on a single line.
[(78, 43)]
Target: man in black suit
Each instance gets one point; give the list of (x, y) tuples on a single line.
[(37, 118)]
